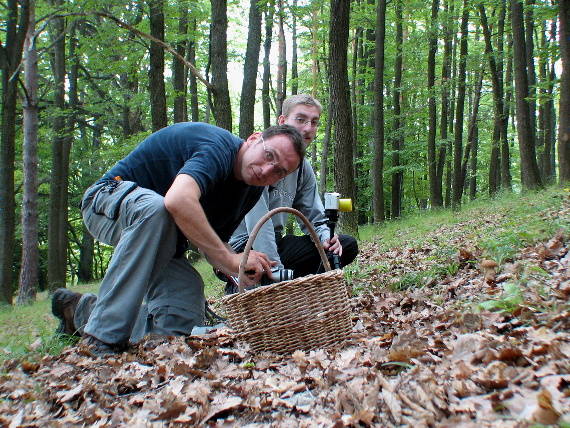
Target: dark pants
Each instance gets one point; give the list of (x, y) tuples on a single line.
[(300, 254)]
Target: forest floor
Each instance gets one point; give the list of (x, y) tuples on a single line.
[(469, 347)]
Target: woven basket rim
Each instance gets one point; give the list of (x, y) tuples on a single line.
[(294, 283)]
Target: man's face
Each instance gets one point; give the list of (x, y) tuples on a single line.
[(263, 163), (305, 118)]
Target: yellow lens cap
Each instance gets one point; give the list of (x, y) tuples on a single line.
[(345, 205)]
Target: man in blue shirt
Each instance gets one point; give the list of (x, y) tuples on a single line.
[(187, 182)]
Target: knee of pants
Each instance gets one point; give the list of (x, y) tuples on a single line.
[(173, 321), (349, 249)]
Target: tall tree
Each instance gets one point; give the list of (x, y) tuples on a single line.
[(378, 163), (219, 62), (530, 176), (17, 13), (398, 128), (178, 70), (294, 65), (564, 106), (436, 197), (192, 81), (281, 61), (57, 227), (445, 99), (546, 109), (247, 102), (498, 104), (157, 89), (30, 255), (341, 116), (460, 107), (265, 97)]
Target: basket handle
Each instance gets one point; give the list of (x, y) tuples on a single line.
[(256, 229)]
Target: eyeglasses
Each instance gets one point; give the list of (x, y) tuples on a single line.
[(278, 170), (302, 122)]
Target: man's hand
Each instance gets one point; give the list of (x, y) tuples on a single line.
[(333, 245), (257, 265)]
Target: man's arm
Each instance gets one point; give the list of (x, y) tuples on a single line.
[(265, 241), (308, 201), (182, 201)]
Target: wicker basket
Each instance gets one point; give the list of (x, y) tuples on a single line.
[(306, 313)]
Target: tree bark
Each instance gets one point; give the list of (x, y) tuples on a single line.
[(247, 102), (192, 81), (498, 104), (265, 97), (10, 56), (398, 129), (341, 110), (460, 107), (564, 106), (378, 162), (157, 89), (219, 63), (435, 189), (178, 70), (57, 227), (282, 61), (294, 65), (530, 176), (445, 103), (30, 256)]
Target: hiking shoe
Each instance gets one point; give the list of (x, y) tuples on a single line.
[(63, 305), (102, 349)]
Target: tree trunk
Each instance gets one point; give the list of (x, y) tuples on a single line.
[(530, 177), (506, 178), (445, 102), (57, 227), (178, 69), (219, 63), (397, 132), (265, 98), (498, 104), (282, 62), (473, 164), (564, 106), (435, 189), (472, 127), (529, 45), (325, 152), (341, 116), (460, 107), (156, 70), (30, 255), (294, 68), (192, 81), (247, 102), (378, 165), (10, 56)]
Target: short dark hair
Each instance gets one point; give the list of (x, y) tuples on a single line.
[(291, 132), (295, 100)]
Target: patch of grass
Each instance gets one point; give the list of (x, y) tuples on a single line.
[(29, 330), (509, 301)]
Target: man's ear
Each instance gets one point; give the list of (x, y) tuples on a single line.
[(281, 120), (253, 137)]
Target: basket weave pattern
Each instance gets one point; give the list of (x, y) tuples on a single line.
[(305, 313)]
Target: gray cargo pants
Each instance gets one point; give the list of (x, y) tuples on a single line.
[(142, 268)]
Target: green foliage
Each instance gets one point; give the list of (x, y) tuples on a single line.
[(510, 299)]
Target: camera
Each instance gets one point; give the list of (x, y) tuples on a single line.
[(277, 275)]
